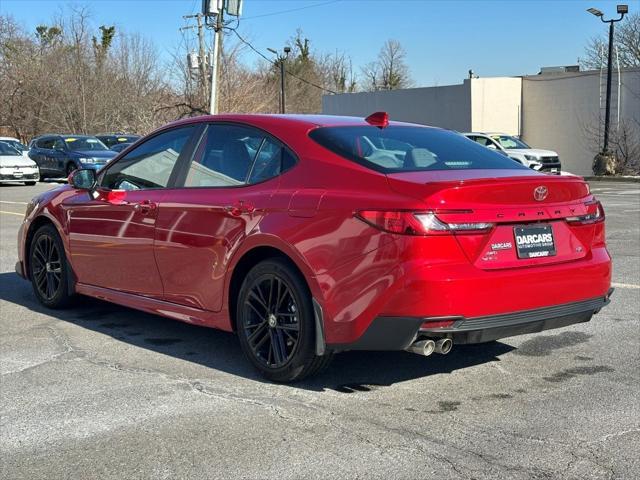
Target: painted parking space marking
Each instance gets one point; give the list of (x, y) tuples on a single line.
[(13, 203), (12, 213), (632, 286)]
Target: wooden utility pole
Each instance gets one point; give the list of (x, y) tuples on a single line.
[(215, 67)]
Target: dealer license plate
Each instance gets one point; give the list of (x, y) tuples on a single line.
[(534, 241)]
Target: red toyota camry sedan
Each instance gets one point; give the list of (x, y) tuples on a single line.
[(310, 235)]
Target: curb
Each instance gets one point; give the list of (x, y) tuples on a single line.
[(605, 178)]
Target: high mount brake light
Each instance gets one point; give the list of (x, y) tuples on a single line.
[(378, 119), (595, 214), (417, 223)]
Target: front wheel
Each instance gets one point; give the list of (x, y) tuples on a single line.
[(275, 322), (48, 268), (71, 168)]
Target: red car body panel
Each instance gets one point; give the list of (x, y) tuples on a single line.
[(177, 257)]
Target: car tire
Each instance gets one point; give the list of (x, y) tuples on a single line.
[(70, 168), (29, 184), (48, 268), (276, 324)]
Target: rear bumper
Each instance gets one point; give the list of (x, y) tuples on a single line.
[(396, 333)]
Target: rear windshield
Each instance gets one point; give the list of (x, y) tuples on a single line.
[(407, 148)]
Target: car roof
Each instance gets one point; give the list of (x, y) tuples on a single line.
[(308, 120), (482, 134), (116, 134)]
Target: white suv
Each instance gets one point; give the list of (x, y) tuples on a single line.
[(537, 159)]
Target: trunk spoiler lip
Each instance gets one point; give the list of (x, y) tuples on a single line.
[(473, 181)]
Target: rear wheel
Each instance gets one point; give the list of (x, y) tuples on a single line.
[(48, 268), (275, 322)]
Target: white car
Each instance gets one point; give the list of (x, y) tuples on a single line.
[(535, 158), (14, 142), (14, 167)]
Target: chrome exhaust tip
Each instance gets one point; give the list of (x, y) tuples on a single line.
[(443, 346), (422, 347)]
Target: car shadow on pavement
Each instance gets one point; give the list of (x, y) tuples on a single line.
[(350, 371)]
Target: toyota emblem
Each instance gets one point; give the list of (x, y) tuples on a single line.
[(540, 193)]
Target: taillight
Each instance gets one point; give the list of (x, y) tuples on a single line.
[(417, 223), (595, 214)]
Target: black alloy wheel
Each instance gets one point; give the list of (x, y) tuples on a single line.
[(270, 319), (48, 268), (276, 324)]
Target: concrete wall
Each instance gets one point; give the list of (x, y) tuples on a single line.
[(446, 107), (552, 111), (561, 112), (496, 105)]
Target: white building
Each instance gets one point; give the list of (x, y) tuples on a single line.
[(556, 111)]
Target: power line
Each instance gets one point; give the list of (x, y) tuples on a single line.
[(274, 63), (291, 10)]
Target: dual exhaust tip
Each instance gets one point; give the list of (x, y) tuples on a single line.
[(427, 347)]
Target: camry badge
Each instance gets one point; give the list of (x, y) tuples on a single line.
[(540, 193)]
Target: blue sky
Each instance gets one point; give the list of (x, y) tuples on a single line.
[(443, 39)]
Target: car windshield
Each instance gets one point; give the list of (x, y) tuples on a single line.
[(409, 148), (16, 144), (80, 144), (507, 141), (9, 150)]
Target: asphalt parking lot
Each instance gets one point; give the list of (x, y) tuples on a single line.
[(102, 391)]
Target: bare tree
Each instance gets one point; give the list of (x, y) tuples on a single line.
[(393, 68), (624, 144), (390, 71), (627, 40), (70, 77)]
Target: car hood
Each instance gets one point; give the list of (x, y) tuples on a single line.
[(16, 160), (538, 152), (103, 154)]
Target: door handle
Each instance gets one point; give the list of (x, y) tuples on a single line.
[(144, 207), (239, 208)]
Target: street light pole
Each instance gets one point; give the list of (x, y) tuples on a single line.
[(622, 10), (281, 59), (282, 89)]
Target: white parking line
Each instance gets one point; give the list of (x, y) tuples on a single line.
[(625, 285), (12, 213), (13, 203)]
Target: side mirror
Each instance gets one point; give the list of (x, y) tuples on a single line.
[(83, 179)]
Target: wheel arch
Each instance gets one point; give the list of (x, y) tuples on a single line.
[(33, 227), (253, 253)]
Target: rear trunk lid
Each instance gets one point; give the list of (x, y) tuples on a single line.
[(524, 210)]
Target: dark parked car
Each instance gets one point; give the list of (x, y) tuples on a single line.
[(113, 139), (59, 155), (120, 147)]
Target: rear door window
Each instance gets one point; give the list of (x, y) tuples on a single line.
[(45, 142), (236, 155)]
